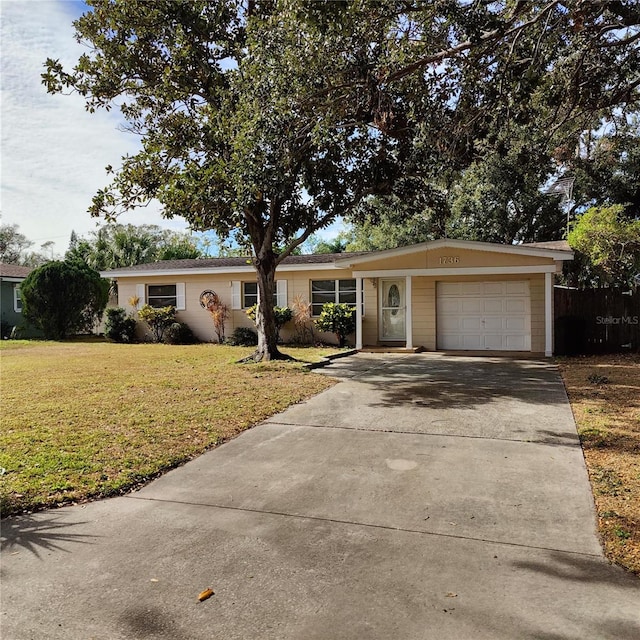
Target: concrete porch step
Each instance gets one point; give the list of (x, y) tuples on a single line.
[(389, 349)]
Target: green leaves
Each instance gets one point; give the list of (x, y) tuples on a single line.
[(158, 319), (64, 298), (117, 245), (610, 242), (269, 119), (337, 318)]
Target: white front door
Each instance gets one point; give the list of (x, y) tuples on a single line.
[(392, 310)]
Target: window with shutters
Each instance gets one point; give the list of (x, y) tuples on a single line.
[(323, 291), (249, 294), (162, 295)]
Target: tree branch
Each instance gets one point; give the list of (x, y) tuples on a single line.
[(468, 44)]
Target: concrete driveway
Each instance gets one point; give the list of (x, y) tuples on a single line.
[(423, 496)]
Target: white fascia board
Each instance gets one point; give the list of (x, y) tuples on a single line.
[(459, 244), (210, 271), (463, 271), (8, 279), (176, 273)]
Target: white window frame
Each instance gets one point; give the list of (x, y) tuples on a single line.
[(17, 299), (336, 292), (180, 297), (279, 295), (245, 304)]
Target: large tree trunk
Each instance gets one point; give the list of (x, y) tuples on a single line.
[(265, 262), (265, 318)]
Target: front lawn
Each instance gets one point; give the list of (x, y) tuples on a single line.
[(90, 419), (604, 392)]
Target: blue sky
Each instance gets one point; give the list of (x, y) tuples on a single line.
[(53, 152)]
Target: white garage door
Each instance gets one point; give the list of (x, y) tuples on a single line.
[(483, 315)]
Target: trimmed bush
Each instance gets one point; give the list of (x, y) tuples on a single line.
[(179, 333), (338, 319), (64, 298), (157, 319), (243, 337), (118, 326)]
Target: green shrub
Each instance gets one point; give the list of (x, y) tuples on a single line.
[(179, 333), (157, 319), (118, 326), (243, 337), (338, 319), (64, 298)]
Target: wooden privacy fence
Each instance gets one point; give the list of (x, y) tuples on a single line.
[(596, 321)]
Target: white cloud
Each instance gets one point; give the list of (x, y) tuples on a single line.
[(53, 151)]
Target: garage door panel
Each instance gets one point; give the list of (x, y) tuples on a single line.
[(483, 316), (450, 306), (471, 289), (493, 323), (515, 343), (493, 288), (452, 342), (493, 341), (470, 324), (450, 289), (516, 288), (470, 305), (493, 305), (515, 305), (471, 342), (515, 324)]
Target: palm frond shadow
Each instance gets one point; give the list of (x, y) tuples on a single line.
[(36, 534)]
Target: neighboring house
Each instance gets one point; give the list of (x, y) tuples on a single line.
[(442, 295), (11, 277)]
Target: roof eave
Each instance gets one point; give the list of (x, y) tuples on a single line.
[(213, 270), (554, 254)]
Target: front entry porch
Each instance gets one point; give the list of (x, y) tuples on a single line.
[(406, 311)]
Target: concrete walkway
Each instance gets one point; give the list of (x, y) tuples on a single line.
[(423, 496)]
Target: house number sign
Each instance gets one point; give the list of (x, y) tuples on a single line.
[(449, 259)]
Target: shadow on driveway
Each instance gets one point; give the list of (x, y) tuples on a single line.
[(42, 533)]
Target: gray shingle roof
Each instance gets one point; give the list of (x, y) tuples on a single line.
[(212, 263), (14, 270), (553, 245)]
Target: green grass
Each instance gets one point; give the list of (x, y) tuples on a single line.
[(88, 419)]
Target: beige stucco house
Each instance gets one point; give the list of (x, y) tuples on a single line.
[(451, 295)]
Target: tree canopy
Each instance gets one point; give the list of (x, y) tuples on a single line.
[(606, 167), (268, 119), (611, 243), (117, 245), (14, 248)]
